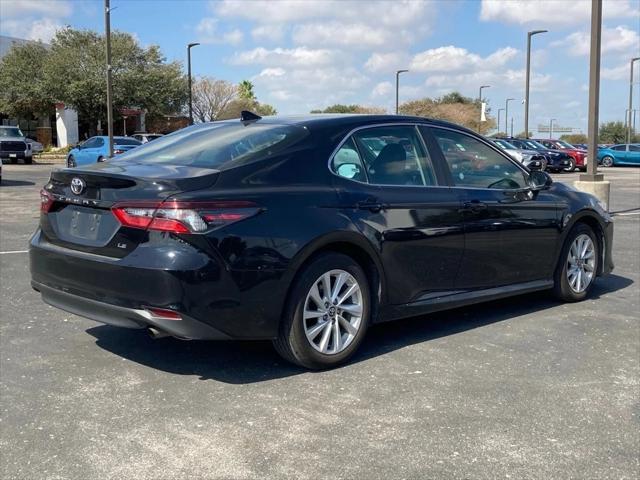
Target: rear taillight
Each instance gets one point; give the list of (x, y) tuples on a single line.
[(183, 217), (117, 151), (46, 201)]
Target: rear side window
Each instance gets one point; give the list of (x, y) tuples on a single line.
[(634, 148), (126, 141), (217, 146), (392, 155), (474, 164)]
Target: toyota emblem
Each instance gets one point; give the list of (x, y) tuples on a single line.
[(77, 185)]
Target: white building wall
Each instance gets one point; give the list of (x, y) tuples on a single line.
[(66, 126)]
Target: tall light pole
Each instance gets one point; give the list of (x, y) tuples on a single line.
[(500, 110), (551, 127), (511, 127), (528, 74), (506, 115), (480, 97), (629, 127), (398, 72), (189, 47), (107, 34)]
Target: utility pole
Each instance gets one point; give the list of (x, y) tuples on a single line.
[(398, 72), (629, 127), (498, 127), (526, 88), (593, 182), (511, 127), (107, 32), (506, 115), (189, 47), (480, 97)]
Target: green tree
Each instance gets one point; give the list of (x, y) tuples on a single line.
[(522, 134), (22, 88), (75, 75), (453, 107), (612, 132), (354, 108), (245, 90), (574, 138)]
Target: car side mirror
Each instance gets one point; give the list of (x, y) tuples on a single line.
[(348, 170), (539, 180)]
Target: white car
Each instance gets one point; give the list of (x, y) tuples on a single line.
[(36, 147), (146, 137)]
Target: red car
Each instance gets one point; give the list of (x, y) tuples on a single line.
[(578, 155)]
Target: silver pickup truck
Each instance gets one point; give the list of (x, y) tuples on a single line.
[(14, 145)]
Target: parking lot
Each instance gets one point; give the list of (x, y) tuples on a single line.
[(520, 388)]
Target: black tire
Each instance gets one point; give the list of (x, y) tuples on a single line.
[(607, 161), (292, 343), (13, 161), (71, 162), (100, 159), (561, 288), (28, 160), (572, 165)]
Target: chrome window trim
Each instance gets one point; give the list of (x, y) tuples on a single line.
[(426, 125)]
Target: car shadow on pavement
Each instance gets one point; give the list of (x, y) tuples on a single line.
[(241, 362), (16, 183)]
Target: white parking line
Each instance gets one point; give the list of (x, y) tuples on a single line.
[(14, 251), (625, 214)]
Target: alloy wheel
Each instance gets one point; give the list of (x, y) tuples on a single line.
[(581, 263), (332, 313), (607, 161)]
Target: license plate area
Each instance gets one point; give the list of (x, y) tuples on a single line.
[(83, 225), (13, 155)]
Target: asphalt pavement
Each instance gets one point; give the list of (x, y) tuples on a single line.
[(521, 388)]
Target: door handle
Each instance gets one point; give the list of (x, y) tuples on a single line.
[(372, 205), (475, 206)]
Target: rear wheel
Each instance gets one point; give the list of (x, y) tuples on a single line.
[(607, 161), (578, 265), (327, 313)]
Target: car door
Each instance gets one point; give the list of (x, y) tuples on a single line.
[(392, 193), (633, 155), (511, 233), (620, 152), (81, 155)]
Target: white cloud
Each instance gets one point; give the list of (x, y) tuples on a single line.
[(272, 72), (357, 35), (269, 33), (207, 30), (450, 58), (300, 57), (553, 12), (621, 72), (387, 62), (618, 39), (33, 20), (22, 8), (382, 89)]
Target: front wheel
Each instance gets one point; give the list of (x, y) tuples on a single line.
[(607, 161), (71, 162), (578, 265), (572, 165), (28, 160), (327, 313)]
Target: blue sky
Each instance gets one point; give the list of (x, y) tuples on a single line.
[(309, 54)]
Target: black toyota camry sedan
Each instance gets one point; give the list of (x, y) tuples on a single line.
[(307, 230)]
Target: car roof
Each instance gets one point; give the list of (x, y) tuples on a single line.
[(347, 119)]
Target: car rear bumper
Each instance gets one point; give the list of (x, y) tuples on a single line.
[(186, 327), (214, 301)]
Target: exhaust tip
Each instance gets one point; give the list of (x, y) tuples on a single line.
[(156, 334)]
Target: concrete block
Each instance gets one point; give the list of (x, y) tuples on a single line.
[(599, 189)]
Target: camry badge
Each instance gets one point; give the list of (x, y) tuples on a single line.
[(77, 185)]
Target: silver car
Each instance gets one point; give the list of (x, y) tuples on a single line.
[(529, 158)]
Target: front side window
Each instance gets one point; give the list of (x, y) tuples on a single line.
[(476, 165), (90, 143)]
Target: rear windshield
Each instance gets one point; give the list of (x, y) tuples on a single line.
[(126, 141), (217, 145)]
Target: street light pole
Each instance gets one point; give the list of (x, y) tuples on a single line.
[(398, 72), (506, 115), (189, 47), (528, 74), (107, 33), (500, 110), (480, 97), (551, 128), (511, 127), (630, 99)]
